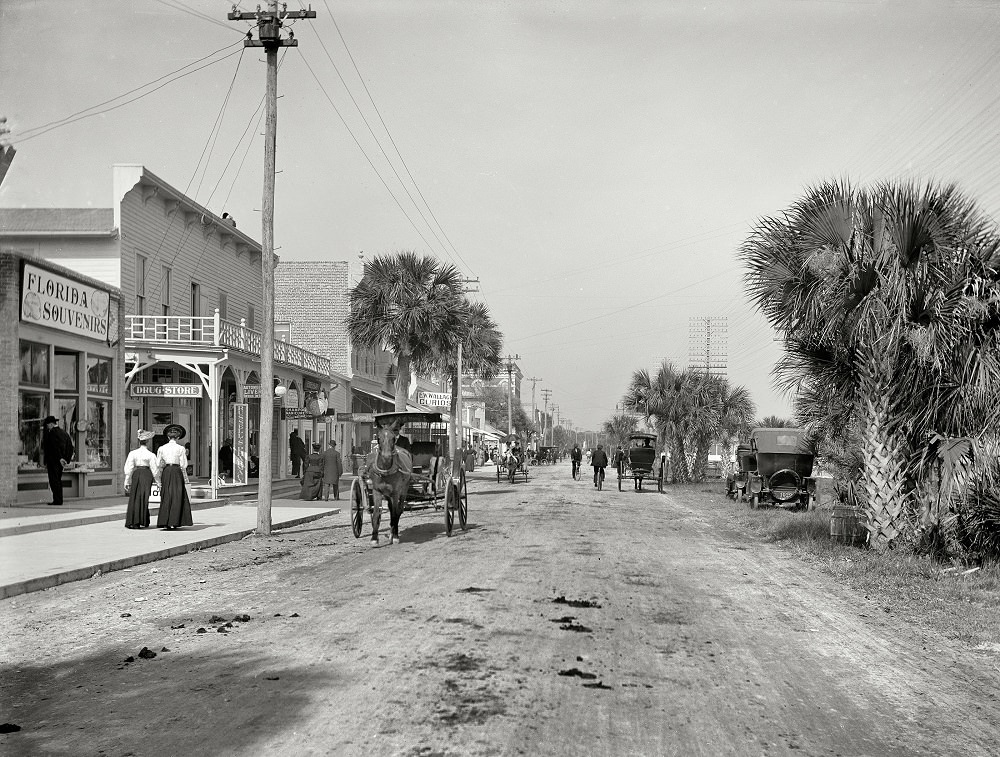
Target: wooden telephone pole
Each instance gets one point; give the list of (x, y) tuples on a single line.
[(546, 393), (269, 23)]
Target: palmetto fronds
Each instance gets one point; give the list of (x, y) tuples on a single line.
[(889, 302)]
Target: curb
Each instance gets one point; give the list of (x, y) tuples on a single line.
[(77, 574), (102, 517)]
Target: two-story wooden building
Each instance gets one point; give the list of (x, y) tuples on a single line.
[(190, 283)]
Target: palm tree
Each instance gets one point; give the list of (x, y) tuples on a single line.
[(481, 342), (774, 421), (666, 399), (618, 427), (407, 304), (889, 302)]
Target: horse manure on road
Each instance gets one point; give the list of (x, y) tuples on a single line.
[(577, 673), (561, 600), (576, 627)]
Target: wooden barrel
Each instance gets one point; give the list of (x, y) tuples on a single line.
[(847, 525)]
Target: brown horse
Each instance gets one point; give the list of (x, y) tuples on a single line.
[(389, 468)]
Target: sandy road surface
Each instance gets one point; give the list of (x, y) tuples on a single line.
[(564, 621)]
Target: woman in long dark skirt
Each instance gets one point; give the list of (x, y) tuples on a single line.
[(139, 467), (312, 478), (175, 506)]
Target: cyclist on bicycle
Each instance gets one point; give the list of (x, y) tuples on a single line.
[(600, 461), (576, 455)]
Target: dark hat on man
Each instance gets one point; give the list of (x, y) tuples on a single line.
[(50, 419), (177, 428)]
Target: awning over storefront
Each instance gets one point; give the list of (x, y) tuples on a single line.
[(367, 402)]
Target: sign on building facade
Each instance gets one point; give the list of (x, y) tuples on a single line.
[(57, 302)]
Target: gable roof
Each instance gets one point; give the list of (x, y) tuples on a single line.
[(57, 222)]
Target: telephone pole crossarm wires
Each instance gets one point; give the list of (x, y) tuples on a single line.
[(269, 23)]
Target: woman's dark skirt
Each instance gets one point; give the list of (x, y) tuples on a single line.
[(175, 507), (312, 485), (137, 514)]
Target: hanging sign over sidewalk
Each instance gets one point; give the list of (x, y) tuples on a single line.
[(434, 399), (165, 390)]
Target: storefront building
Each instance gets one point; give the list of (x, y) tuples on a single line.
[(61, 355)]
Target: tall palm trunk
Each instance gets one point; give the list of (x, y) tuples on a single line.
[(700, 467), (679, 471), (402, 393), (883, 477)]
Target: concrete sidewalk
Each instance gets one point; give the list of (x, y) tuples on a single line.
[(39, 550)]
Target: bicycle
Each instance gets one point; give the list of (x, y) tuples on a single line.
[(576, 470), (600, 479)]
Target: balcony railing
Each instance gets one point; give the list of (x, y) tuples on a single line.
[(192, 331)]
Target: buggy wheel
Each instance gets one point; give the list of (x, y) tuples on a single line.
[(659, 483), (359, 504), (463, 500), (450, 505), (754, 501)]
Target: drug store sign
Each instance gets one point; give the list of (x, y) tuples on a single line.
[(49, 299)]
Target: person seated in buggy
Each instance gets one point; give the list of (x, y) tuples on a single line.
[(403, 442)]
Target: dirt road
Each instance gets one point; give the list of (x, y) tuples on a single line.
[(564, 621)]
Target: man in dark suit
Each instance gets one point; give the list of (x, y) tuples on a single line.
[(296, 450), (57, 450)]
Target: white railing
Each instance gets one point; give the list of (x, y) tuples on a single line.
[(192, 331)]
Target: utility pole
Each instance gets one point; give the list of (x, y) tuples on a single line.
[(555, 412), (457, 423), (533, 381), (508, 363), (546, 393), (269, 24)]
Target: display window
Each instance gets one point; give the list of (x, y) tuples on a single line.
[(75, 388)]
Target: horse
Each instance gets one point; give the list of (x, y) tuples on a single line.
[(389, 468), (513, 461)]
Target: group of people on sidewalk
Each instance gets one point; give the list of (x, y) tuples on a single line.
[(321, 471), (168, 468)]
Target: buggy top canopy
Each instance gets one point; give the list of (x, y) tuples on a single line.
[(638, 436), (387, 419)]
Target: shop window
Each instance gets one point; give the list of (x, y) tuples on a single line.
[(97, 435), (98, 375), (32, 408), (66, 371), (34, 364)]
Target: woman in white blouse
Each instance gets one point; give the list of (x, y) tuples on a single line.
[(171, 459), (139, 470)]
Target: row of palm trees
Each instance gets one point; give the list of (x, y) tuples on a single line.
[(415, 306), (690, 410), (888, 298)]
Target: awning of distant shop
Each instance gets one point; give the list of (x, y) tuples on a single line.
[(367, 402)]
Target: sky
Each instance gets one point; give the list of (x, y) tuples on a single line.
[(596, 165)]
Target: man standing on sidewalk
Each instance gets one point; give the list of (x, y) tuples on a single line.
[(57, 450), (296, 450), (333, 469)]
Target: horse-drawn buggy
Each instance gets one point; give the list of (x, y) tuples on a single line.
[(544, 456), (638, 461), (513, 462), (412, 464), (782, 463)]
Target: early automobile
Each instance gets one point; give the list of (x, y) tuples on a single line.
[(783, 473)]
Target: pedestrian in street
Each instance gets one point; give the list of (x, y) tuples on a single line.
[(600, 461), (171, 472), (333, 469), (139, 467), (296, 450), (57, 451), (312, 476)]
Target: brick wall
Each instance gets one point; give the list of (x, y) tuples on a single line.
[(10, 303), (313, 297)]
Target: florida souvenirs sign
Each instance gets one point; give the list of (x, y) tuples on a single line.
[(57, 302)]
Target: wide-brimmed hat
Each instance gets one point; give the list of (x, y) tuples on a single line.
[(145, 436), (50, 419), (171, 427)]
